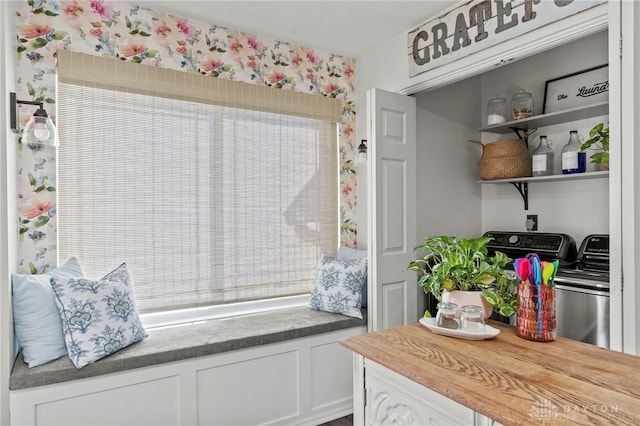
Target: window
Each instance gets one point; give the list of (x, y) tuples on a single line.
[(207, 204)]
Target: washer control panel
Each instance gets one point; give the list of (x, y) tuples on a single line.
[(547, 245)]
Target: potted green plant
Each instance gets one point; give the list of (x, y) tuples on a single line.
[(599, 139), (452, 264)]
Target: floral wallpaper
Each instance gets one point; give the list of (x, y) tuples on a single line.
[(153, 38)]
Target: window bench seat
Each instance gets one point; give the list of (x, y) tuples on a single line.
[(180, 342), (204, 373)]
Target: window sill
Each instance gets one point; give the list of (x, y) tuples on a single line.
[(191, 340)]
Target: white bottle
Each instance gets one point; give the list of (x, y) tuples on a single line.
[(542, 158)]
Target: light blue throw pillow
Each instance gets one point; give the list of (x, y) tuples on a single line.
[(348, 253), (98, 317), (36, 321), (338, 286)]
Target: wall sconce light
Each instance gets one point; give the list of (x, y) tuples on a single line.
[(362, 152), (39, 129)]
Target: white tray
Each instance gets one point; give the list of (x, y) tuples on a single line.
[(430, 323)]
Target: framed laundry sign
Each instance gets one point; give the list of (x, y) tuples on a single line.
[(577, 89), (476, 25)]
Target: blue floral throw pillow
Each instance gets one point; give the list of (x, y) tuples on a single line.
[(98, 317), (338, 286), (348, 253)]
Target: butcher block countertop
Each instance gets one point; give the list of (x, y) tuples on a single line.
[(512, 380)]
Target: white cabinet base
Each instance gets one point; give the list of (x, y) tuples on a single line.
[(301, 381), (383, 397)]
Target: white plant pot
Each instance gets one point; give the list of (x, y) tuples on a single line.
[(462, 298)]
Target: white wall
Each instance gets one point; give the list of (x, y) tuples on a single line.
[(448, 199), (8, 220)]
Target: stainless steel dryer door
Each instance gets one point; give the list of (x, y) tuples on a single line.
[(582, 314)]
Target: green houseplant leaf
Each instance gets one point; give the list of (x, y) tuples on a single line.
[(598, 139), (463, 264)]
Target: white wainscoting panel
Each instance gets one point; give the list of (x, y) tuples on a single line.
[(331, 377), (304, 381), (154, 402), (243, 393)]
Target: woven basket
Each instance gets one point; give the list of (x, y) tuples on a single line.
[(504, 159)]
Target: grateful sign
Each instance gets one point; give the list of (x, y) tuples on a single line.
[(479, 24)]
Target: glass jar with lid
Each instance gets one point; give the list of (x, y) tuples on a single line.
[(521, 105), (542, 158), (496, 111)]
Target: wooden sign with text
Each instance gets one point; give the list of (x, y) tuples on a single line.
[(479, 24)]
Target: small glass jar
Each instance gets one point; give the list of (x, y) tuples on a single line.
[(521, 105), (496, 111), (573, 161), (472, 319), (446, 316), (542, 158)]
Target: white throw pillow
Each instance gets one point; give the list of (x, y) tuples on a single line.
[(36, 320)]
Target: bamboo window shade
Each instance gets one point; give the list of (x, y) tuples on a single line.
[(212, 191)]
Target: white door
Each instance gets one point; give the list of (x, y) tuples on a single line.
[(391, 118)]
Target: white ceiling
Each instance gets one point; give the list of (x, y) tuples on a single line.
[(348, 28)]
